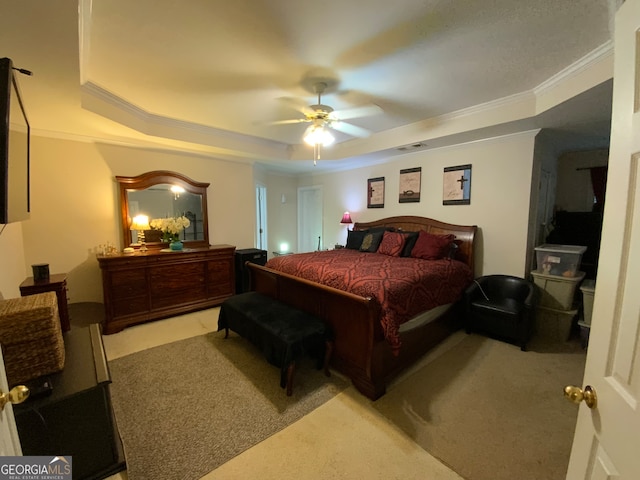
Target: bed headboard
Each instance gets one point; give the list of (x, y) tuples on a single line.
[(465, 234)]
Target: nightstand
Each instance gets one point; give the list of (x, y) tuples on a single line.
[(56, 283)]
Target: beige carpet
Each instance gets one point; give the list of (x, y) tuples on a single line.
[(187, 407), (490, 411)]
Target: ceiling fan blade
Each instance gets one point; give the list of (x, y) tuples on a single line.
[(297, 104), (350, 129), (365, 111), (286, 122)]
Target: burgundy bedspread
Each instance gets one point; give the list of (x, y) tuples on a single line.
[(404, 287)]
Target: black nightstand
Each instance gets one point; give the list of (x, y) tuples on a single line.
[(242, 256)]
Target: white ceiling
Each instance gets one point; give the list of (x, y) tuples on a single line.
[(206, 75)]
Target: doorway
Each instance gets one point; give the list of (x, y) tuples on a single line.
[(309, 219)]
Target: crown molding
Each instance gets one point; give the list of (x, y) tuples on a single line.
[(591, 59), (135, 144), (594, 57), (485, 107), (149, 120), (109, 105)]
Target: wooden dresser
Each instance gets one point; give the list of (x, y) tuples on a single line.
[(148, 286)]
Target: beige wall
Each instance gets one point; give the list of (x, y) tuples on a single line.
[(575, 193), (500, 196), (282, 211), (75, 203), (75, 207), (13, 269)]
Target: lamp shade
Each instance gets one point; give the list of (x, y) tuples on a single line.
[(346, 218), (318, 135), (140, 222)]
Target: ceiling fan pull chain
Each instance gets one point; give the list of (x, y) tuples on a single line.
[(316, 153)]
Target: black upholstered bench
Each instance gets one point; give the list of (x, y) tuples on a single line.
[(281, 332)]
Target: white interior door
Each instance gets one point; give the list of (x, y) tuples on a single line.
[(309, 219), (606, 443), (9, 441)]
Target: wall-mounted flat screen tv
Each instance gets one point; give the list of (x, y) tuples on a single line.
[(14, 148)]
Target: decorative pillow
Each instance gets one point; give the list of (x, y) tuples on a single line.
[(392, 244), (371, 242), (432, 247), (354, 239), (410, 241)]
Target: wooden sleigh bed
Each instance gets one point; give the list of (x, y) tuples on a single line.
[(361, 350)]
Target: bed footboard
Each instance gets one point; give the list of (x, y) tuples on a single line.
[(360, 350), (354, 321)]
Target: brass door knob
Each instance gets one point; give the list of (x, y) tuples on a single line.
[(576, 395), (17, 394)]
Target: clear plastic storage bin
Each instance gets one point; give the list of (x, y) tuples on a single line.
[(562, 260)]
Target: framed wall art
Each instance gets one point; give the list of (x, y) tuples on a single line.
[(375, 192), (409, 191), (456, 185)]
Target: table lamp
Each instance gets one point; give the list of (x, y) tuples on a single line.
[(346, 219), (140, 223)]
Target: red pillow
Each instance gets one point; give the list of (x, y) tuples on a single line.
[(432, 247), (392, 244)]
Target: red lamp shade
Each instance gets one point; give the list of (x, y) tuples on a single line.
[(346, 218)]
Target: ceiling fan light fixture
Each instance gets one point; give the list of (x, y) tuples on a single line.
[(318, 135)]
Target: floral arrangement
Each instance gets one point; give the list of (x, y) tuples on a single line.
[(170, 227)]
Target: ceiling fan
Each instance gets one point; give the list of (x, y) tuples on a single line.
[(323, 117)]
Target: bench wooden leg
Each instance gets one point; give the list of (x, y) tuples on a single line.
[(226, 332), (291, 369), (328, 351)]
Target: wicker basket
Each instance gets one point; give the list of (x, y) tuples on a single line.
[(31, 337)]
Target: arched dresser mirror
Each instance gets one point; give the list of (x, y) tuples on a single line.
[(164, 194)]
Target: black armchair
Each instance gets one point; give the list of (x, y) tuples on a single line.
[(501, 306)]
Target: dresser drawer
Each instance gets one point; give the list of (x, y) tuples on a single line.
[(123, 307), (128, 283), (220, 272), (143, 287)]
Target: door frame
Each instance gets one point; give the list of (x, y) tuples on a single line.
[(261, 241)]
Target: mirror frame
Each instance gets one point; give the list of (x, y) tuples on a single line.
[(146, 180)]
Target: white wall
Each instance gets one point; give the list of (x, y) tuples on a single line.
[(75, 207), (500, 196)]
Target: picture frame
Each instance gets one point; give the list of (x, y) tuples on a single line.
[(409, 191), (456, 185), (375, 192)]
